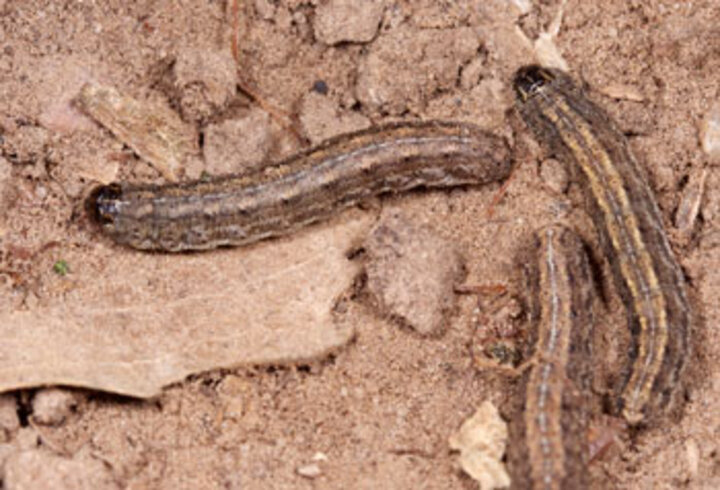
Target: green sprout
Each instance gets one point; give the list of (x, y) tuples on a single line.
[(61, 267)]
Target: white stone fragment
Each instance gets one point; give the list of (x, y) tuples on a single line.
[(481, 441)]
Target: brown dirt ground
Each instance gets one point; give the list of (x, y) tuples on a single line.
[(378, 413)]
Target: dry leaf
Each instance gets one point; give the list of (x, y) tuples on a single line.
[(147, 320)]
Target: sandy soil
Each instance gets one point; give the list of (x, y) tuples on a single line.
[(260, 79)]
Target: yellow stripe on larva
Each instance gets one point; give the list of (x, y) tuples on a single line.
[(555, 411), (628, 220), (635, 263)]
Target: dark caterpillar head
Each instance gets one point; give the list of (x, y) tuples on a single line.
[(529, 79), (101, 204)]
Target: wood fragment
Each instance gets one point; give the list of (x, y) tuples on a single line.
[(152, 129)]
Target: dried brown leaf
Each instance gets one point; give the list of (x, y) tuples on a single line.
[(148, 320)]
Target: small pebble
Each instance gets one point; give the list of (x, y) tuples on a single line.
[(53, 406), (309, 471), (320, 456), (710, 133), (411, 274), (237, 144), (554, 175), (206, 80), (339, 21), (322, 118), (481, 441), (320, 87)]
